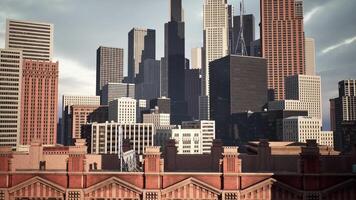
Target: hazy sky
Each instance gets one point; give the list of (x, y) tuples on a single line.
[(80, 26)]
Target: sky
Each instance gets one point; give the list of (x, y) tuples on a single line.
[(81, 26)]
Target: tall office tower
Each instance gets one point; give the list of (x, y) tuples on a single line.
[(109, 66), (301, 129), (230, 22), (343, 115), (234, 91), (248, 31), (175, 60), (255, 48), (67, 102), (196, 58), (10, 100), (122, 110), (302, 92), (35, 39), (192, 92), (163, 104), (207, 129), (150, 85), (141, 46), (164, 77), (310, 56), (39, 102), (216, 44), (282, 35), (113, 91)]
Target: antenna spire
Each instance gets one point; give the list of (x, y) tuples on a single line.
[(240, 44)]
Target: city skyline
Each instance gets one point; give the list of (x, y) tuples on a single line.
[(76, 49)]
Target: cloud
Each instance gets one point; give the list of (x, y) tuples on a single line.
[(310, 14), (338, 45)]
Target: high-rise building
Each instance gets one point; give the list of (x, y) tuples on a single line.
[(207, 131), (196, 58), (343, 115), (10, 96), (141, 46), (302, 92), (122, 110), (175, 60), (39, 102), (301, 129), (192, 92), (35, 39), (162, 104), (248, 32), (282, 35), (216, 44), (310, 56), (113, 91), (149, 87), (232, 90), (109, 66)]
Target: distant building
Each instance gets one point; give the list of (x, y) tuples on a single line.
[(310, 65), (301, 129), (149, 85), (109, 66), (232, 90), (192, 92), (255, 48), (39, 102), (122, 110), (343, 115), (196, 58), (188, 141), (113, 91), (249, 32), (141, 106), (207, 129), (10, 90), (157, 119), (141, 46), (35, 39)]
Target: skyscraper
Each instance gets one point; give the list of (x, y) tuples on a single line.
[(141, 46), (109, 66), (282, 35), (150, 85), (192, 92), (175, 60), (35, 39), (10, 91), (196, 58), (113, 91), (216, 44), (310, 56), (39, 102), (248, 32)]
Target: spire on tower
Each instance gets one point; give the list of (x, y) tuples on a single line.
[(240, 44)]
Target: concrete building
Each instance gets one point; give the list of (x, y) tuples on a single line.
[(303, 92), (39, 102), (188, 141), (207, 129), (113, 91), (249, 33), (310, 65), (109, 66), (232, 90), (122, 110), (141, 46), (149, 84), (282, 42), (197, 58), (35, 39), (105, 137), (301, 129), (343, 115), (157, 119), (10, 90)]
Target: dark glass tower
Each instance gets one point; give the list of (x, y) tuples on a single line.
[(175, 58), (249, 31)]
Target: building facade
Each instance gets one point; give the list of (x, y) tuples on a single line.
[(39, 102), (149, 85), (248, 32), (310, 65), (157, 119), (196, 58), (141, 46), (35, 39), (188, 141), (10, 100), (207, 129), (301, 129), (192, 92), (109, 66), (113, 91), (123, 110), (282, 39)]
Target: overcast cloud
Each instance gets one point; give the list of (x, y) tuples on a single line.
[(82, 25)]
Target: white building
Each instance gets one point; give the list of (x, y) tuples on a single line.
[(310, 56), (105, 137), (301, 129), (35, 39), (216, 43), (10, 90), (158, 119), (122, 110), (196, 61), (188, 141), (303, 92), (207, 129)]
